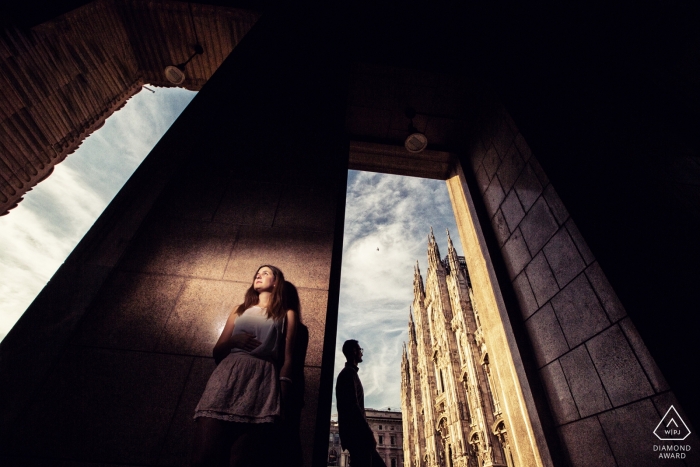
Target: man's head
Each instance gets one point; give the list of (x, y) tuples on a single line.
[(352, 351)]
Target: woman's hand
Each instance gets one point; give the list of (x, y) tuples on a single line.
[(245, 341), (228, 341)]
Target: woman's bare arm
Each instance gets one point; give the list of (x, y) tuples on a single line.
[(227, 341)]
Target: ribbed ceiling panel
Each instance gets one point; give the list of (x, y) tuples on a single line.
[(62, 79)]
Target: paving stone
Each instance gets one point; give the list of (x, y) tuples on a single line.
[(177, 445), (314, 304), (307, 207), (500, 228), (579, 311), (546, 336), (585, 443), (555, 204), (503, 139), (482, 179), (512, 210), (563, 257), (209, 186), (491, 161), (493, 197), (541, 278), (249, 202), (619, 369), (182, 247), (526, 299), (539, 171), (558, 393), (510, 168), (478, 154), (199, 315), (640, 350), (104, 404), (528, 187), (585, 385), (130, 312), (579, 241), (523, 147), (606, 294), (303, 256), (538, 226), (515, 254), (629, 432)]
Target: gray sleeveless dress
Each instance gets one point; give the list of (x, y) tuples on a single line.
[(244, 387)]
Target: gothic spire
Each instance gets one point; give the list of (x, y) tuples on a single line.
[(418, 288), (411, 326), (452, 254), (433, 251)]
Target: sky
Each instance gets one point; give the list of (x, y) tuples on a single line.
[(387, 222), (38, 235)]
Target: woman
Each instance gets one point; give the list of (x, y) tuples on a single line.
[(248, 389)]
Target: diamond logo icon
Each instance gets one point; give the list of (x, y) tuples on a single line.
[(672, 427)]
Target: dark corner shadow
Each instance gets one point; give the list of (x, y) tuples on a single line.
[(290, 429)]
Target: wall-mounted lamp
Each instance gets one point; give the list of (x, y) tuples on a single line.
[(415, 141), (176, 73)]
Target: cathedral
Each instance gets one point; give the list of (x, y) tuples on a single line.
[(449, 397)]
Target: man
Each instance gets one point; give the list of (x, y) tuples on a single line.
[(355, 434)]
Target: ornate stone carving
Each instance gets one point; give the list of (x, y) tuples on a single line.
[(452, 417)]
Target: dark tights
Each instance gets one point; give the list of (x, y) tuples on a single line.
[(218, 443)]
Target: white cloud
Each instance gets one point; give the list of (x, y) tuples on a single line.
[(387, 222), (37, 236)]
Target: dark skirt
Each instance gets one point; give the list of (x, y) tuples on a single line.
[(242, 389)]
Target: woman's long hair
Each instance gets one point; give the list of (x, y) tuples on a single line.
[(275, 307)]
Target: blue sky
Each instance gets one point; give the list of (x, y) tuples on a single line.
[(37, 236), (386, 227), (387, 222)]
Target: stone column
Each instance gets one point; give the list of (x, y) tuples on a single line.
[(253, 172)]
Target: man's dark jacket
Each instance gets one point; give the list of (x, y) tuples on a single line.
[(352, 423)]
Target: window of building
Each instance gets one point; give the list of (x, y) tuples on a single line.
[(392, 440), (393, 462), (381, 439), (380, 427), (332, 457)]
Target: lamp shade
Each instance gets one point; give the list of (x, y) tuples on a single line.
[(416, 142), (174, 74)]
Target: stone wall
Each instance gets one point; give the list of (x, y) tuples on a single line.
[(605, 392), (109, 362)]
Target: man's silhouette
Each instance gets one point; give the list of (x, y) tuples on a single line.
[(355, 434)]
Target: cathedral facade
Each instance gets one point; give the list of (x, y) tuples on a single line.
[(449, 397)]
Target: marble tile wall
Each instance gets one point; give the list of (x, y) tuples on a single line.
[(125, 389), (603, 387)]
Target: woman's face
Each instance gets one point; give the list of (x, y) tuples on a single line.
[(264, 280)]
